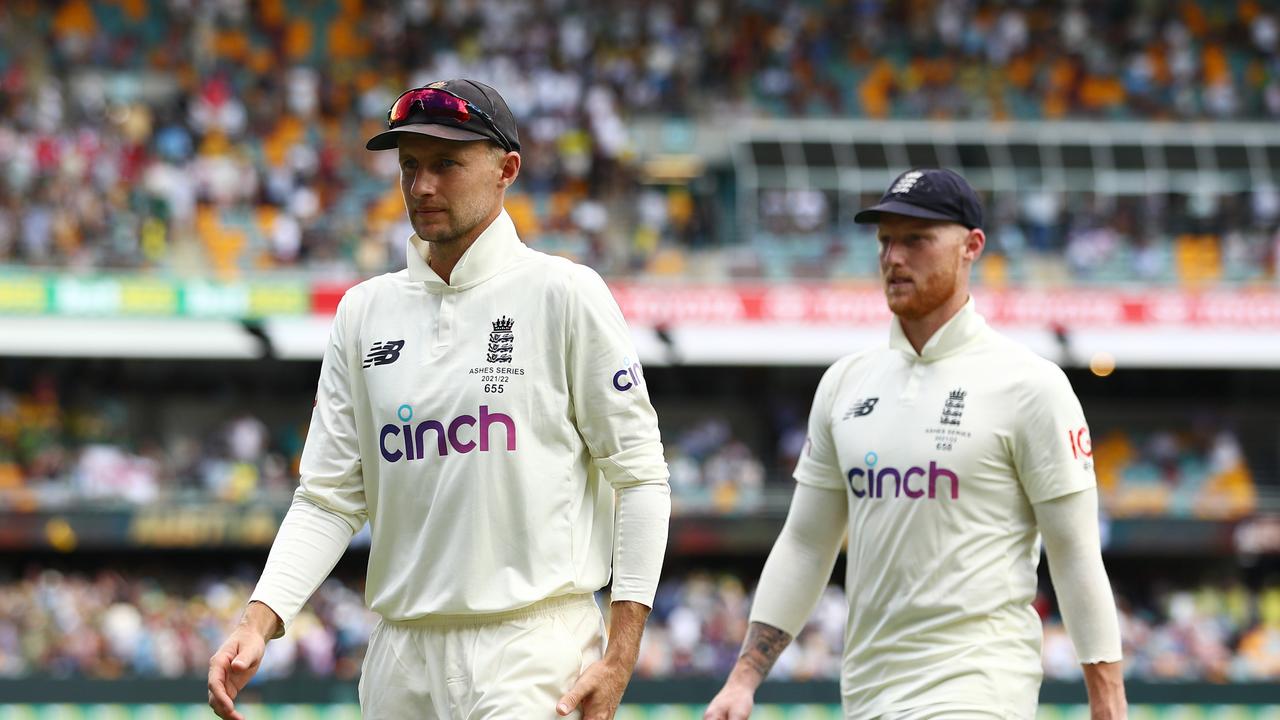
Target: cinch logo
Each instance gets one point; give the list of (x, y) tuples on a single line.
[(628, 377), (873, 483), (409, 441)]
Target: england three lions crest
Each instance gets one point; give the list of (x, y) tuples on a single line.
[(501, 341), (953, 408)]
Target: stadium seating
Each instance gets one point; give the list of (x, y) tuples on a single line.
[(115, 625), (159, 137), (56, 454)]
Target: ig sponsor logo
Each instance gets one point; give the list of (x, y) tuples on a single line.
[(461, 434), (1081, 444), (877, 483)]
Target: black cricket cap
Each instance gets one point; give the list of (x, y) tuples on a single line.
[(482, 96), (928, 193)]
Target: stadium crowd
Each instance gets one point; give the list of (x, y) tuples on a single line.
[(114, 625), (226, 137), (58, 452), (1047, 238), (1195, 471)]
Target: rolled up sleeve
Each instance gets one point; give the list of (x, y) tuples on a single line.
[(616, 420)]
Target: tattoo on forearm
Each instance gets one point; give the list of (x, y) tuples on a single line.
[(762, 647)]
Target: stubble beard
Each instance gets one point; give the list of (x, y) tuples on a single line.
[(451, 233), (928, 294)]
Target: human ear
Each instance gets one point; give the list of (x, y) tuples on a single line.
[(510, 169), (974, 242)]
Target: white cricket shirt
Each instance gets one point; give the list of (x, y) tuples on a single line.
[(482, 428), (941, 455)]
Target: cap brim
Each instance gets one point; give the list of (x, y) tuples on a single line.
[(897, 207), (388, 139)]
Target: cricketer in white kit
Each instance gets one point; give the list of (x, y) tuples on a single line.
[(945, 457), (485, 412)]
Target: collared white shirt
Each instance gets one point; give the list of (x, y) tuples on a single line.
[(940, 455), (482, 427)]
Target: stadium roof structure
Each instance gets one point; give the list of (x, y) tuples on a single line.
[(1123, 157)]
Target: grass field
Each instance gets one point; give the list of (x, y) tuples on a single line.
[(627, 712)]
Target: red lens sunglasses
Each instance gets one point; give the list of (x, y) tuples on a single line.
[(435, 103)]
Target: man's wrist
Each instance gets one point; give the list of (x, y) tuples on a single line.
[(744, 676), (626, 627), (760, 650), (1104, 682), (261, 619), (619, 663)]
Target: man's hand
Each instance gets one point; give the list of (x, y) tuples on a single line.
[(599, 689), (734, 702), (235, 663)]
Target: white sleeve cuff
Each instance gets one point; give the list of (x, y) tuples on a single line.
[(308, 545), (638, 465), (640, 542), (1069, 525), (800, 564)]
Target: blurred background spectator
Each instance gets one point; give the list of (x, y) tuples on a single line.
[(114, 625), (102, 449), (226, 138)]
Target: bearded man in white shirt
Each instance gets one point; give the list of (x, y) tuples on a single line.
[(484, 411), (945, 457)]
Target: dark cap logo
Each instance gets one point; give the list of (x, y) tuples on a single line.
[(928, 194), (906, 182)]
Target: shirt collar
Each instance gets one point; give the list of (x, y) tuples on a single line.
[(491, 251), (964, 327)]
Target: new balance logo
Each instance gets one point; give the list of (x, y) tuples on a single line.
[(861, 408), (383, 353)]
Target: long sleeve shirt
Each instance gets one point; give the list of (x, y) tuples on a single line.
[(487, 429), (943, 457)]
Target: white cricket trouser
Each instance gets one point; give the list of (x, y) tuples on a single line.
[(481, 667), (927, 713)]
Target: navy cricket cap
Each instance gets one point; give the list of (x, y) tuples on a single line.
[(453, 110), (931, 194)]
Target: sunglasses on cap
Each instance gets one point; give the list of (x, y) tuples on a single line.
[(426, 104)]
